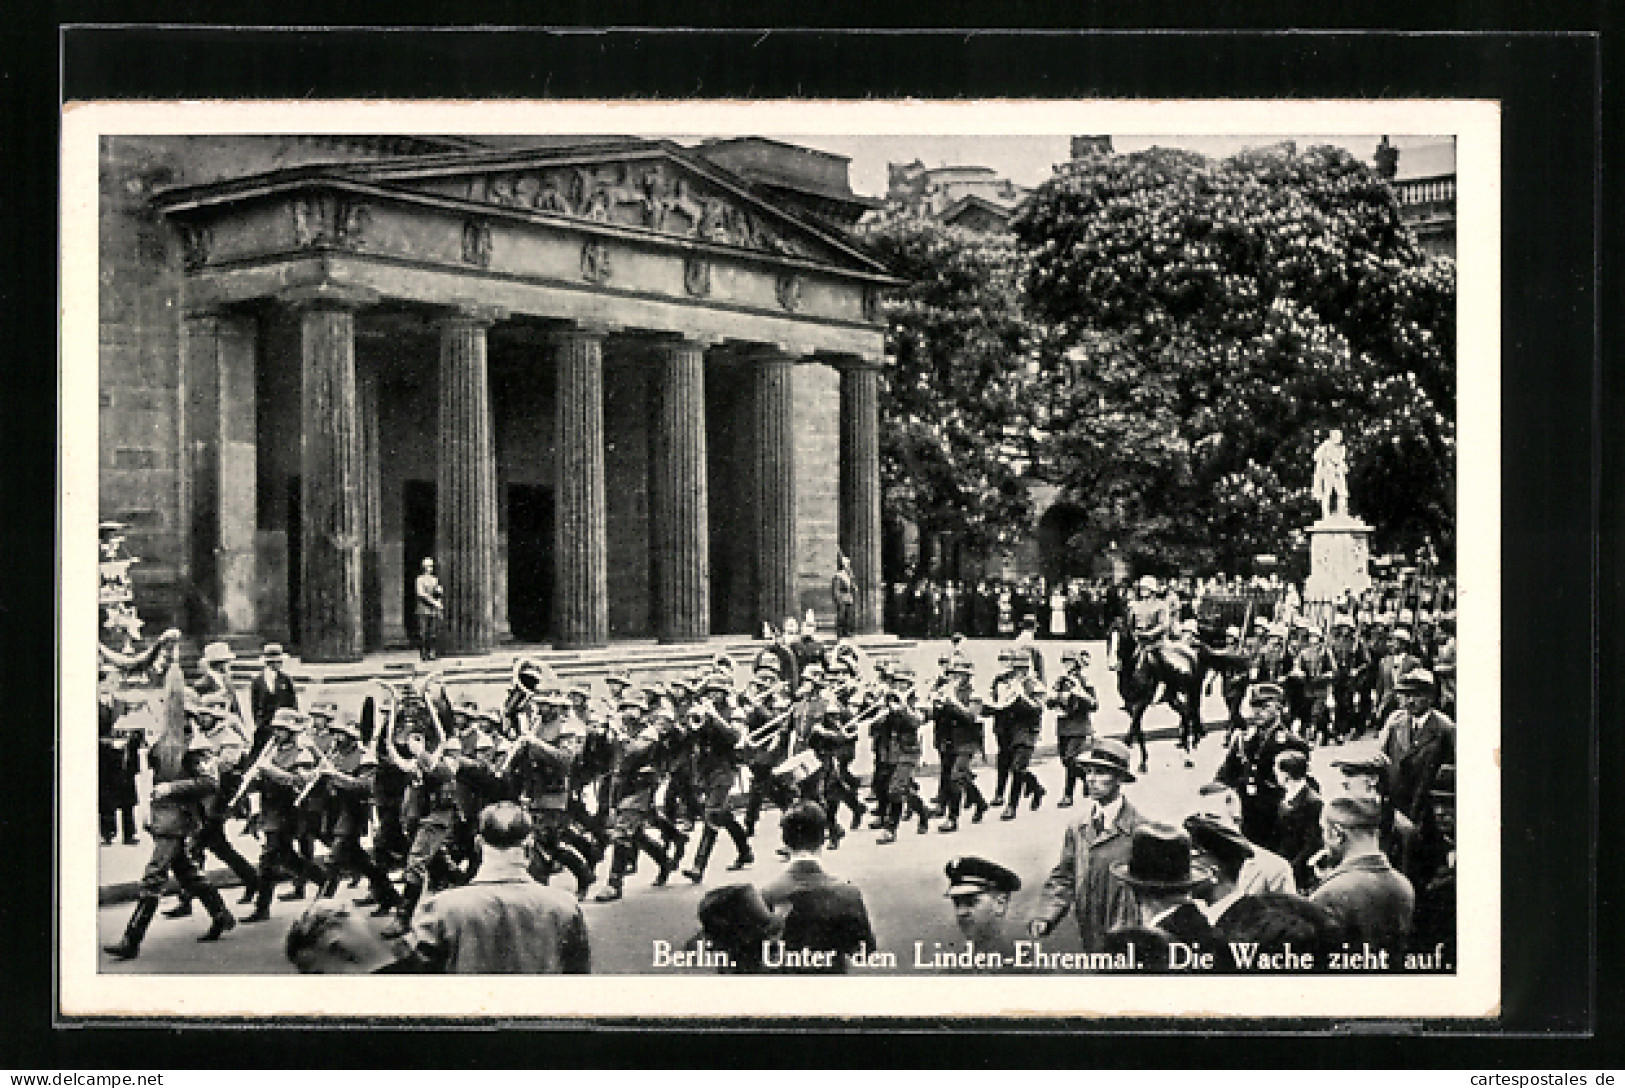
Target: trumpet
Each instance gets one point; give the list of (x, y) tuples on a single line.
[(323, 769), (253, 773), (527, 682), (764, 732)]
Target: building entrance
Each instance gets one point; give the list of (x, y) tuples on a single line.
[(530, 562), (417, 544)]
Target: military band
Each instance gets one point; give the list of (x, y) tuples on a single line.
[(393, 795)]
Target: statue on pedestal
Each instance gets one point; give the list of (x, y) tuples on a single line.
[(1331, 485)]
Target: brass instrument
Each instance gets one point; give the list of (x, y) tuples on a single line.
[(253, 773), (527, 682), (322, 770), (764, 732)]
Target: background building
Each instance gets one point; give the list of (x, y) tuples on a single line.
[(1424, 180), (616, 387)]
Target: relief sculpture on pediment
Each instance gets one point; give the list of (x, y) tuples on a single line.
[(647, 195), (327, 219)]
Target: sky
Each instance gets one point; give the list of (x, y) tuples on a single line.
[(1028, 160)]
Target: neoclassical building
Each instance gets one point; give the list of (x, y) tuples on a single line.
[(618, 388)]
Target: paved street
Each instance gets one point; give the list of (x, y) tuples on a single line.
[(903, 883)]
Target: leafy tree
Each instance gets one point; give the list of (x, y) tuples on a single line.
[(955, 412), (1210, 322)]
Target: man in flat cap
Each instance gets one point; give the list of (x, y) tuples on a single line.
[(1082, 880), (981, 891)]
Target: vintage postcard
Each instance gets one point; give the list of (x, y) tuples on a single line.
[(780, 560)]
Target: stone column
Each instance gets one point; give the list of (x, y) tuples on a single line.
[(860, 486), (220, 353), (466, 490), (679, 529), (330, 500), (773, 487), (580, 583), (372, 532)]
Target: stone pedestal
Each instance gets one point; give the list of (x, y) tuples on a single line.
[(860, 487), (678, 522), (1339, 558), (581, 583), (773, 490), (465, 488)]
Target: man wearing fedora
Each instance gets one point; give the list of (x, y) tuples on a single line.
[(1417, 740), (736, 924), (269, 692), (1264, 870), (1082, 880), (1371, 901), (1224, 852), (1160, 871), (1399, 659)]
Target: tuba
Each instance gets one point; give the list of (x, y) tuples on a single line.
[(529, 680)]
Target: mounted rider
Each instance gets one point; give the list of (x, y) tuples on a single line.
[(1149, 619)]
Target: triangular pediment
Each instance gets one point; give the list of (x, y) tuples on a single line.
[(652, 186)]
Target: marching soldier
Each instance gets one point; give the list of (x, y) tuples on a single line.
[(183, 774), (1352, 660), (716, 746), (435, 759), (210, 836), (1318, 667), (544, 758), (901, 727), (1018, 716), (280, 775), (1075, 701), (836, 742), (636, 776), (347, 787), (958, 714), (767, 743)]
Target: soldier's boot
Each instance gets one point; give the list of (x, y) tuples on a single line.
[(753, 809), (384, 896), (655, 847), (182, 907), (265, 887), (404, 911), (951, 824), (1009, 812), (888, 810), (1003, 781), (221, 920), (1035, 790), (1071, 784), (297, 890), (129, 947), (681, 841), (741, 843), (330, 884), (135, 930), (702, 854), (251, 888), (622, 860), (918, 807), (974, 796), (859, 811), (573, 860)]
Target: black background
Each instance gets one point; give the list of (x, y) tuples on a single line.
[(1558, 404)]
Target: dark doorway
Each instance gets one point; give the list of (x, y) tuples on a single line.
[(417, 543), (530, 562), (296, 562), (1064, 542)]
